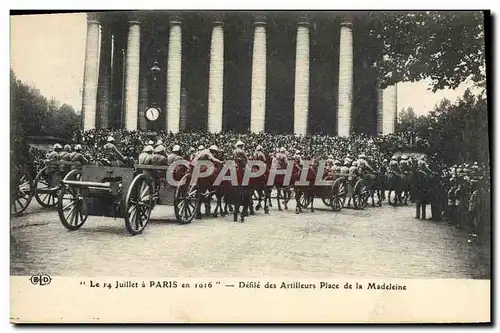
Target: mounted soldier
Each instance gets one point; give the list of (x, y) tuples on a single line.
[(145, 156), (259, 154), (78, 157), (65, 155), (175, 155)]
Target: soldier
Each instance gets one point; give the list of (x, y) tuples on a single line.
[(424, 167), (78, 157), (159, 158), (175, 155), (394, 167), (329, 162), (146, 154), (239, 155), (363, 165), (54, 154), (111, 150), (65, 155), (207, 155), (405, 164), (159, 143), (259, 155), (297, 157), (281, 159)]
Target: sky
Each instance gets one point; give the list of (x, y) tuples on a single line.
[(48, 51)]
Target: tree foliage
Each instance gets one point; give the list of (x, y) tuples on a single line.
[(447, 47), (32, 114), (457, 132)]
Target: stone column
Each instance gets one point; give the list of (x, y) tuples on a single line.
[(143, 96), (380, 110), (258, 99), (104, 93), (132, 69), (90, 75), (346, 75), (174, 76), (216, 79), (389, 109), (301, 105)]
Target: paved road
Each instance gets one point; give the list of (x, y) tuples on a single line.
[(385, 242)]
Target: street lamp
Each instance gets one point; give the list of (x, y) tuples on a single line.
[(152, 114)]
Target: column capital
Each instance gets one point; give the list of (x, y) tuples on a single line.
[(259, 19), (218, 18), (93, 17), (175, 18), (346, 21), (303, 21)]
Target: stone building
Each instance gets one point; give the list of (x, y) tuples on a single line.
[(285, 72)]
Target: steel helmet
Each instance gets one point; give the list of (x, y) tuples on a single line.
[(176, 148), (239, 143), (330, 157), (159, 149), (78, 147), (111, 139), (201, 147), (259, 148), (404, 157), (159, 142), (57, 146), (282, 150), (362, 155), (67, 147), (148, 149), (150, 142), (213, 147)]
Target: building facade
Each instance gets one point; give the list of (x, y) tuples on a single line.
[(285, 72)]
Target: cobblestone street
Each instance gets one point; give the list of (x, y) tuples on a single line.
[(385, 242)]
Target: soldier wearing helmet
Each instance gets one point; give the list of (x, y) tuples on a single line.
[(54, 155), (175, 155), (207, 155), (65, 155), (112, 153), (280, 159), (158, 157), (78, 157), (239, 155), (363, 165), (394, 167), (146, 154), (405, 164), (259, 154)]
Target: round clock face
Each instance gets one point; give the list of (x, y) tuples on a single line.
[(152, 114)]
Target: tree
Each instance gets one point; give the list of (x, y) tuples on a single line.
[(447, 47)]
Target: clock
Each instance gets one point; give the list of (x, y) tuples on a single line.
[(152, 114)]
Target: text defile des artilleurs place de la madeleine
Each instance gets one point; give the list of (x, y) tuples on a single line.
[(284, 285)]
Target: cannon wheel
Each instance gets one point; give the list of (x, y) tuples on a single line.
[(338, 194), (24, 193), (138, 204), (186, 202), (360, 194), (45, 195), (305, 200), (72, 208)]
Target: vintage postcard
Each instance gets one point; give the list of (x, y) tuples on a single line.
[(250, 167)]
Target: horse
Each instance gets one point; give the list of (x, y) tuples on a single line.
[(306, 190), (259, 187)]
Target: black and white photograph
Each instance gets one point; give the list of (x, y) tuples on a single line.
[(320, 150)]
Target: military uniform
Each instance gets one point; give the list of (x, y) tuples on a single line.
[(240, 157), (172, 157)]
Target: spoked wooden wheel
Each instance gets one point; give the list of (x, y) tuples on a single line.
[(305, 200), (138, 204), (360, 196), (186, 202), (45, 192), (21, 195), (338, 195), (327, 201), (72, 208)]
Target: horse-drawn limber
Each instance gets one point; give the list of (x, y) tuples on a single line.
[(45, 187), (335, 195), (130, 193), (21, 189)]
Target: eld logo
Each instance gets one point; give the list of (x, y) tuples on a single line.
[(40, 279)]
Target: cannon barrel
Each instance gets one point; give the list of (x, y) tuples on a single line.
[(106, 185)]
